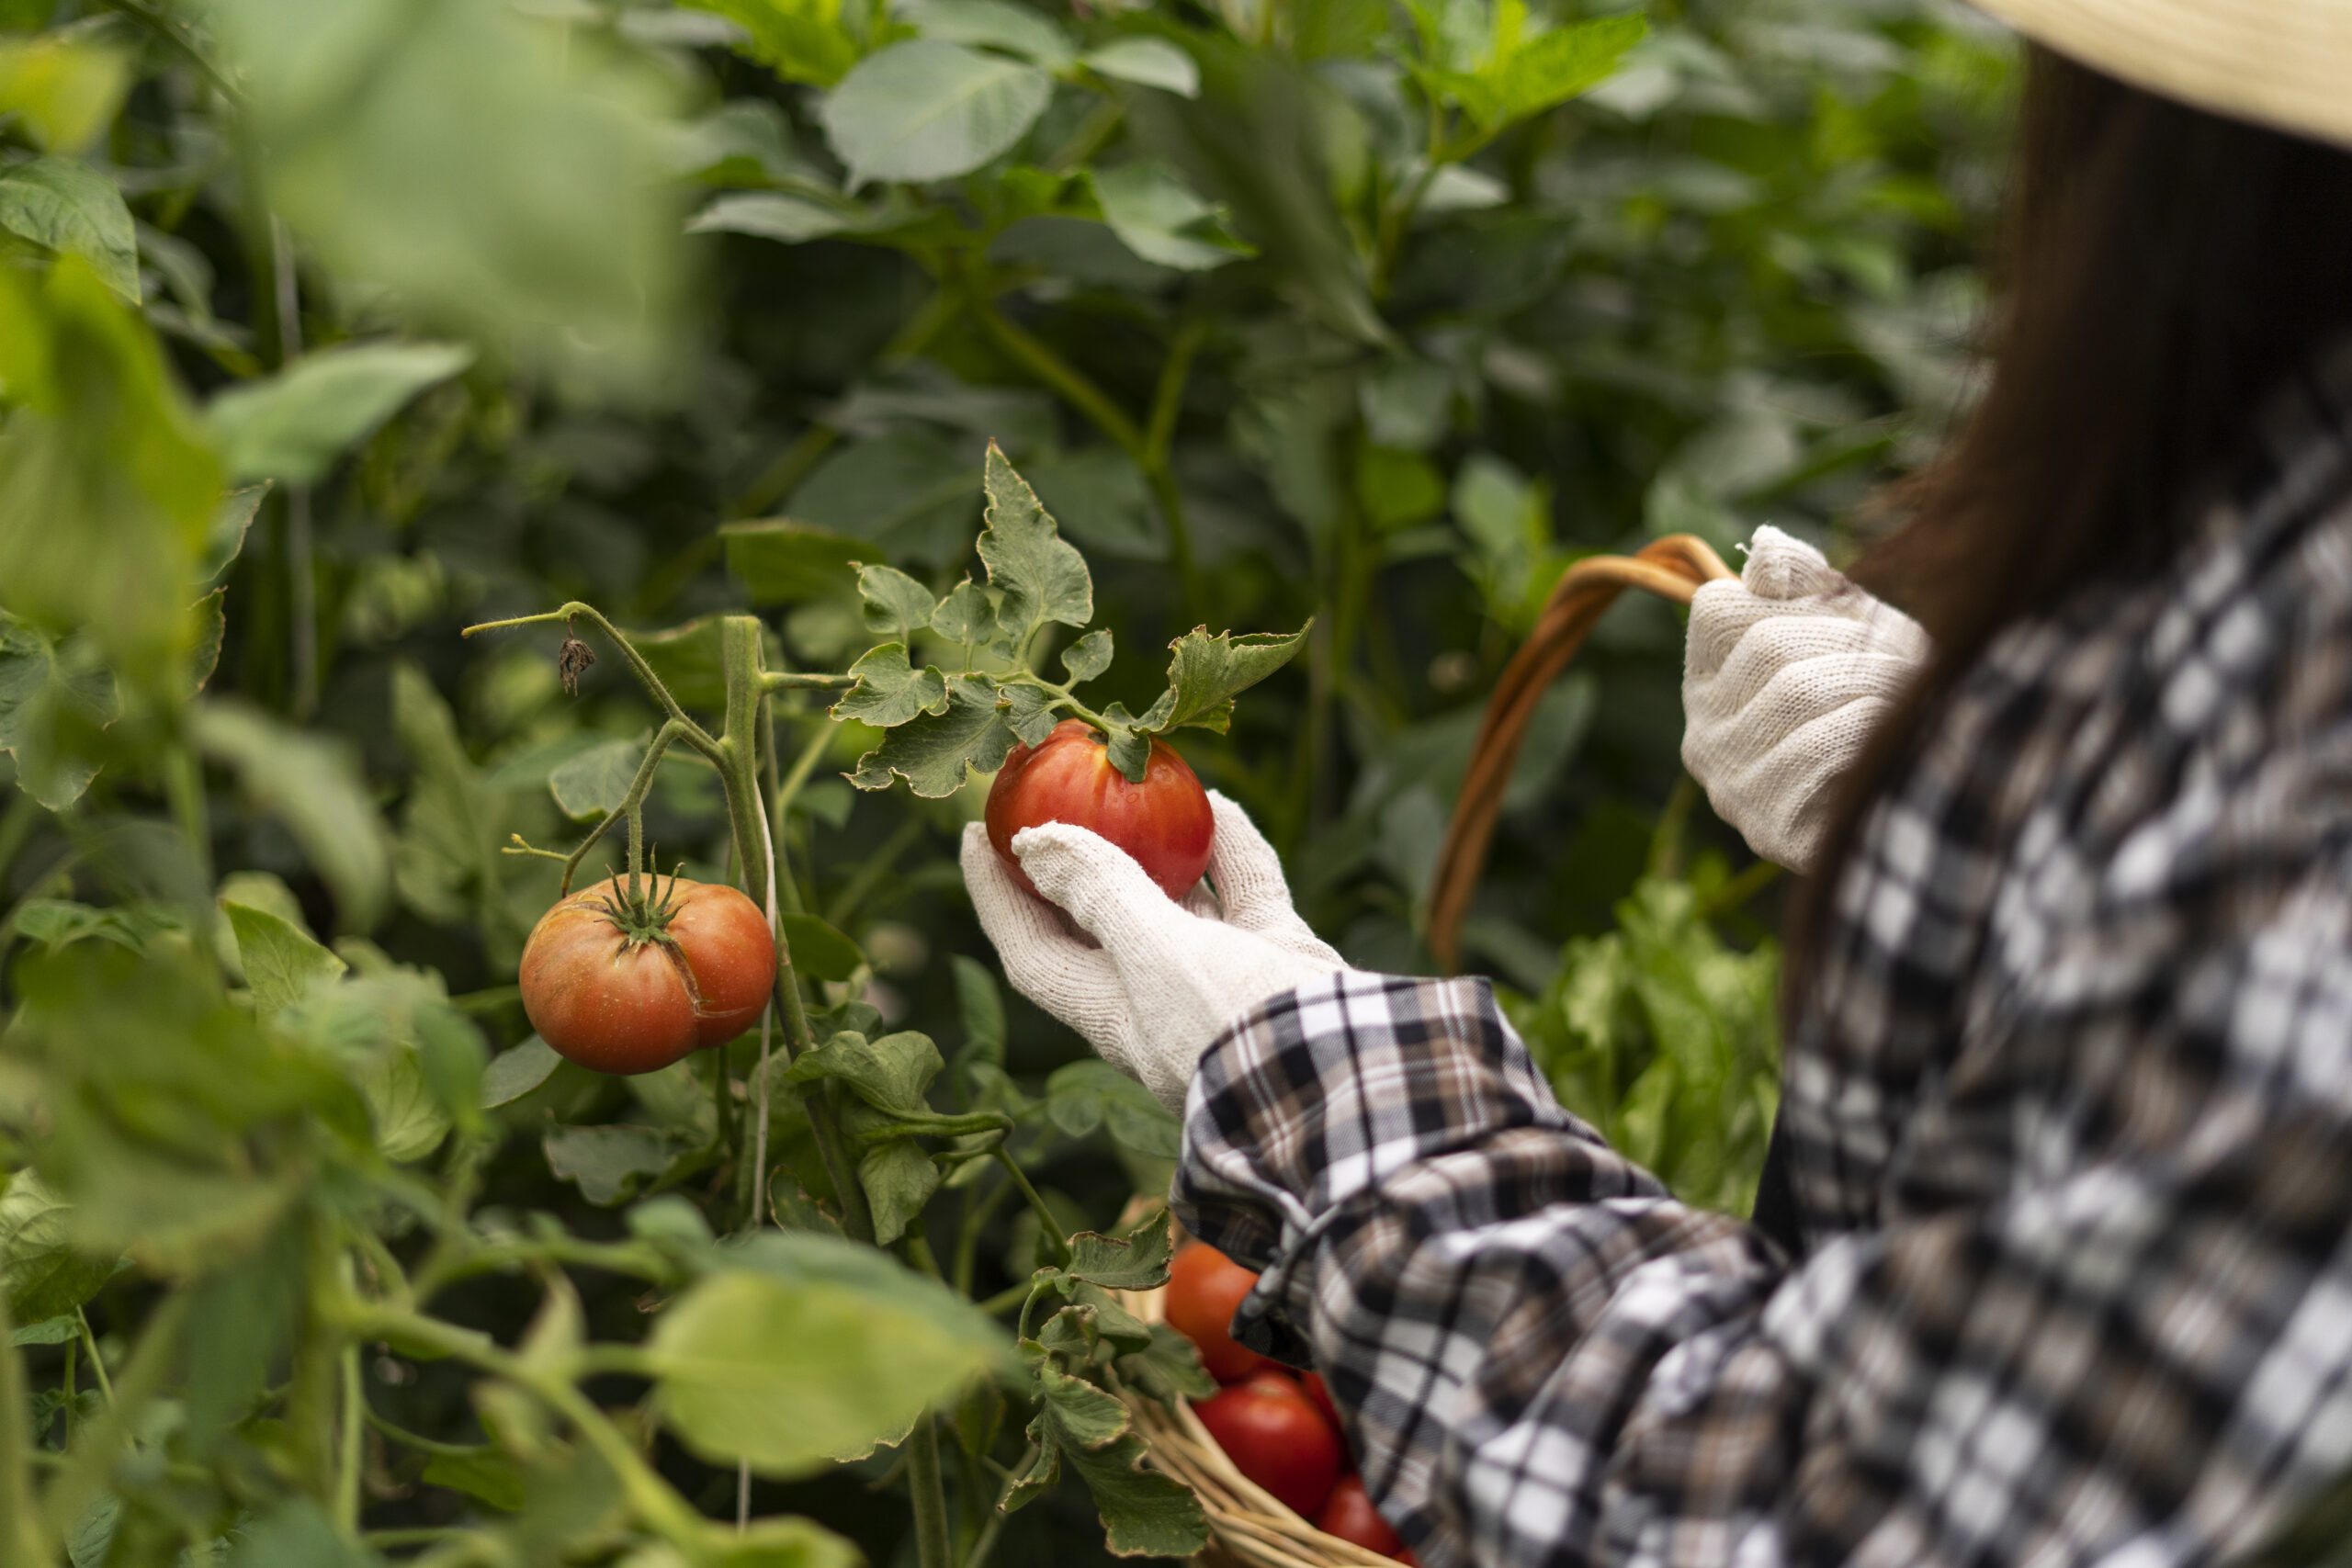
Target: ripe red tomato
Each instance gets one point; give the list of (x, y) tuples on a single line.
[(1348, 1513), (1164, 822), (626, 989), (1205, 1287), (1277, 1440)]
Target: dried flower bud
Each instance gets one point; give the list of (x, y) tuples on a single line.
[(569, 661)]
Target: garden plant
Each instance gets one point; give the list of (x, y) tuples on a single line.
[(491, 488)]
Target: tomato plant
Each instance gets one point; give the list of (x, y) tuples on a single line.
[(312, 1249), (1163, 822)]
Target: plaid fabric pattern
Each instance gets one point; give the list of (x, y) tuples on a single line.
[(2069, 1132)]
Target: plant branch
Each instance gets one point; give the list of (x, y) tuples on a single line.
[(1047, 1219), (694, 734), (805, 681), (347, 1458), (933, 1546)]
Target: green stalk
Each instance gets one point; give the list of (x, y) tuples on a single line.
[(933, 1546), (103, 1439), (19, 1531), (1046, 1222), (347, 1458)]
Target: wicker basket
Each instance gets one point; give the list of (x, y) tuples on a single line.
[(1247, 1524)]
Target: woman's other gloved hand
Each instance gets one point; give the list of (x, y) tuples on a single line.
[(1159, 981), (1787, 672)]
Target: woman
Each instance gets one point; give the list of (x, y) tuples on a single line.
[(2056, 1263)]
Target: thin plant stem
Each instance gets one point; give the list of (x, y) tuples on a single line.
[(25, 1540), (416, 1441), (933, 1546), (1046, 1218), (93, 1456), (98, 1362), (347, 1460), (985, 1542), (692, 734)]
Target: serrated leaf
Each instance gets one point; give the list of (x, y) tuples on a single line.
[(931, 110), (1090, 1093), (1042, 577), (898, 1179), (606, 1161), (782, 562), (66, 206), (224, 541), (1168, 1369), (890, 1073), (1148, 62), (51, 695), (818, 951), (42, 1272), (1136, 1262), (965, 616), (1558, 65), (936, 753), (1089, 656), (890, 691), (293, 425), (595, 782), (791, 1373), (1207, 672), (1031, 713), (894, 605), (48, 1331), (1144, 1513), (281, 962)]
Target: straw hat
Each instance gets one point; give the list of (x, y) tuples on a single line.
[(2286, 63)]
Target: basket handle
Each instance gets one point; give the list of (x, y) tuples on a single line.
[(1672, 568)]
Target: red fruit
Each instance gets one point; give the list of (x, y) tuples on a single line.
[(1205, 1287), (1348, 1513), (1277, 1440), (1320, 1397), (1164, 822), (631, 988)]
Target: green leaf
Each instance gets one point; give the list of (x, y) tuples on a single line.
[(894, 604), (790, 1374), (313, 785), (1031, 713), (297, 1534), (1170, 1369), (982, 1007), (487, 1475), (606, 1161), (514, 1074), (889, 691), (410, 1118), (1039, 576), (1144, 1513), (927, 111), (1148, 62), (783, 563), (774, 214), (818, 951), (92, 1537), (1136, 1262), (890, 1073), (280, 962), (1090, 1093), (1157, 216), (1559, 65), (935, 753), (48, 1331), (593, 784), (689, 659), (293, 425), (1088, 656), (802, 40), (898, 1179), (63, 87), (1207, 672), (54, 698), (239, 1325), (43, 1272), (911, 494), (779, 1543), (69, 207), (992, 24), (965, 615)]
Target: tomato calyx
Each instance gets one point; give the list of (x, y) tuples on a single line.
[(643, 919)]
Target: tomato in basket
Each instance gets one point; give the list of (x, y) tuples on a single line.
[(1348, 1513), (1204, 1288), (1274, 1435)]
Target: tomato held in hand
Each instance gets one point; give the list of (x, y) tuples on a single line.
[(1205, 1287), (626, 987), (1164, 822), (1277, 1440), (1348, 1513)]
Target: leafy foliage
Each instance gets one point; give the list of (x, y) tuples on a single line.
[(897, 367)]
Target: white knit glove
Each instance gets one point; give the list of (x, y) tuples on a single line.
[(1159, 980), (1786, 673)]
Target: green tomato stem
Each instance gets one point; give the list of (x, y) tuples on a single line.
[(1047, 1221), (933, 1546)]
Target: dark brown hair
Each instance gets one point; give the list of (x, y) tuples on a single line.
[(2162, 270)]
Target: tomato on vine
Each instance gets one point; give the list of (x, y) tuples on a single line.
[(1164, 822), (626, 986)]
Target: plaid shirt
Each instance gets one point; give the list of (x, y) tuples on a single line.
[(2068, 1132)]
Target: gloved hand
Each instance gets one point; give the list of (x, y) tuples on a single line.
[(1786, 673), (1159, 980)]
